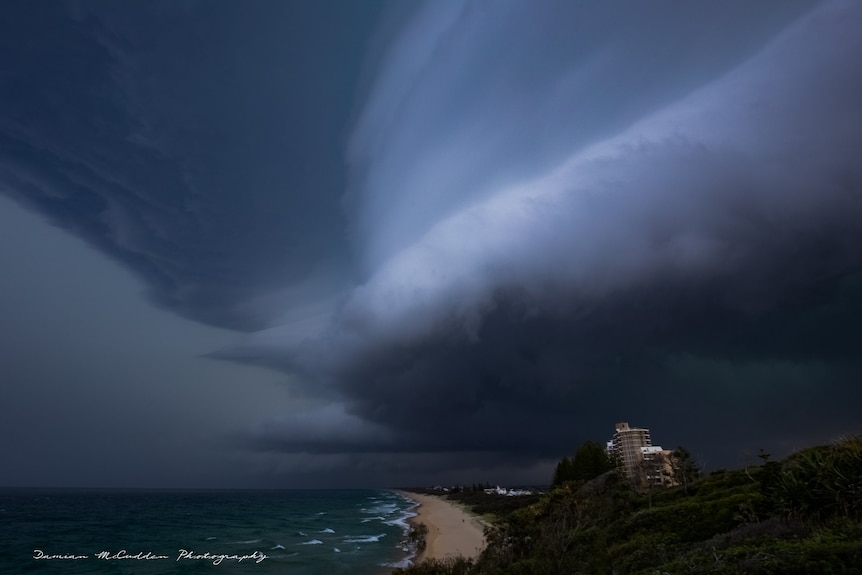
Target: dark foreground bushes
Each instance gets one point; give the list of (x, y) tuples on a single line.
[(799, 516)]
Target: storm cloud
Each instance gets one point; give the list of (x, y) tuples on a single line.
[(712, 218), (198, 145), (473, 234)]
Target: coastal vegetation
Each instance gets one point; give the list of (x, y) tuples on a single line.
[(492, 507), (802, 515), (590, 460), (416, 537)]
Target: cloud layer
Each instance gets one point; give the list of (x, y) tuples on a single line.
[(198, 146), (508, 228), (545, 238)]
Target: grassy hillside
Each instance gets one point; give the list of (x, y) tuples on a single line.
[(798, 516)]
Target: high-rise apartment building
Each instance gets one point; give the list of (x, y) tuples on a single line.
[(627, 445), (646, 464)]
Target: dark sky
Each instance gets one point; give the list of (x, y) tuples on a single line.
[(335, 243)]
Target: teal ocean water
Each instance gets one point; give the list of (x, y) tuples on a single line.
[(119, 532)]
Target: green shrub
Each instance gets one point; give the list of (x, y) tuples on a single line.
[(796, 517), (820, 483)]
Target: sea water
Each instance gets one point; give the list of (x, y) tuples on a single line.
[(122, 532)]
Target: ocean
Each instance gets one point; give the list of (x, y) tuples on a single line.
[(137, 532)]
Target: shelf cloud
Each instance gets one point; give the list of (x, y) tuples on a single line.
[(469, 235)]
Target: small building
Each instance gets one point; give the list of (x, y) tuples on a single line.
[(657, 466)]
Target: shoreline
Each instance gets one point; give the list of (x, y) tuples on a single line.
[(452, 531)]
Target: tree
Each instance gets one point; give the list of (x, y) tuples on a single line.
[(590, 461), (563, 472), (685, 469), (643, 480)]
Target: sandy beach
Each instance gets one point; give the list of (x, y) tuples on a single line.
[(451, 530)]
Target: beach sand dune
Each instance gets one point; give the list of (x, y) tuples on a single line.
[(451, 530)]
